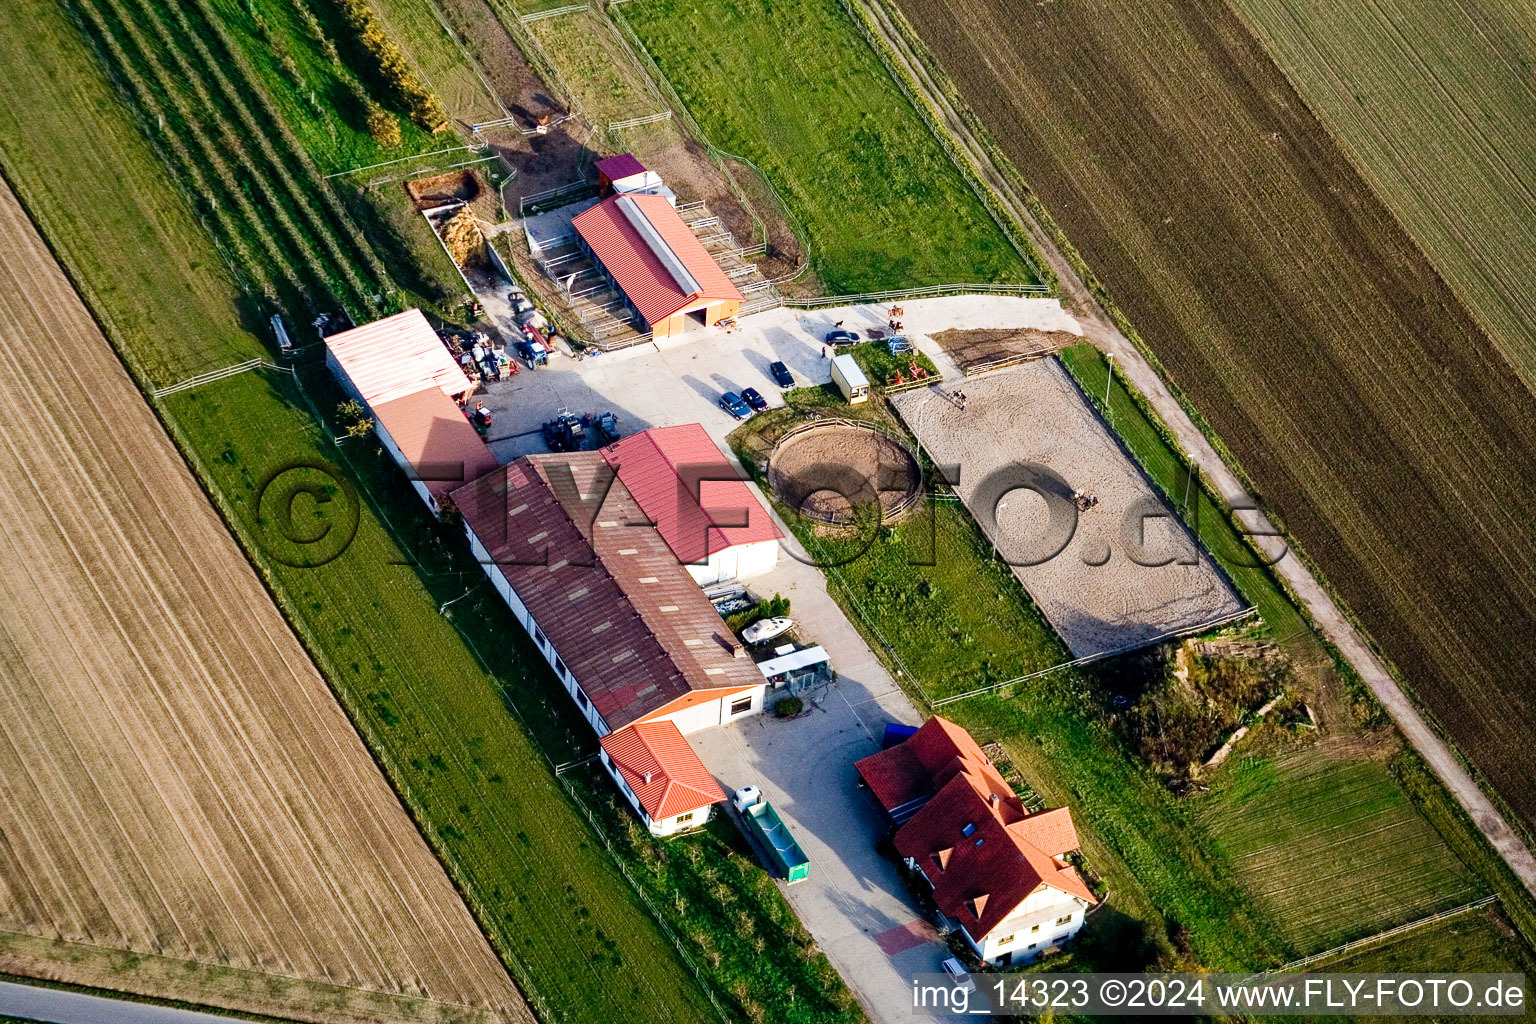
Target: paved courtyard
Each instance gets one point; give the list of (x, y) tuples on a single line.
[(680, 380), (855, 902)]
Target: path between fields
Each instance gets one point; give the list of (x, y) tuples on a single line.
[(61, 1006), (1099, 328)]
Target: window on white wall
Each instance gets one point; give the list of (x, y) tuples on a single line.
[(1064, 920), (684, 818), (741, 705)]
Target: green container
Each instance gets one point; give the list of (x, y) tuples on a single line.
[(787, 857)]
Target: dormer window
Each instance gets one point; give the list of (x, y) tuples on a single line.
[(970, 827)]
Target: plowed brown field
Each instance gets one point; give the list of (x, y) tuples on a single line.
[(176, 780), (1371, 411)]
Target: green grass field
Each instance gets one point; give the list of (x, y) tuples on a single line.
[(1436, 107), (795, 88), (1302, 829), (437, 717)]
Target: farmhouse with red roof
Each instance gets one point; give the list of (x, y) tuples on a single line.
[(627, 630), (703, 510), (655, 261), (998, 872)]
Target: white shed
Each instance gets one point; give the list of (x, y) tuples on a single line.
[(849, 379)]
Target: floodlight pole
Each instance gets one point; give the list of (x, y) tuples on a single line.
[(1108, 381)]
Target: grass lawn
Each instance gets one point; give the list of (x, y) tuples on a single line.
[(795, 88), (435, 715), (1304, 827)]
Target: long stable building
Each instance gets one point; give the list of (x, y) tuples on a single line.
[(626, 628), (652, 258)]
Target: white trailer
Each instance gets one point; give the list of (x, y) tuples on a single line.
[(849, 379)]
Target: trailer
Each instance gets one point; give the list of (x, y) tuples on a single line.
[(850, 380), (784, 854)]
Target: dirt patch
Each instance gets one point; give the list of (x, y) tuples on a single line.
[(825, 471), (1110, 577), (970, 349), (465, 186)]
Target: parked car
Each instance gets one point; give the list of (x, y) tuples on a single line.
[(842, 337), (755, 400), (731, 402), (781, 375), (956, 970)]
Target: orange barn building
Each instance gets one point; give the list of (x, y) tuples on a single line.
[(653, 259)]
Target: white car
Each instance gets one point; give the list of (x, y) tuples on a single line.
[(746, 796), (963, 979)]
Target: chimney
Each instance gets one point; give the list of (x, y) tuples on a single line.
[(647, 778), (730, 645), (994, 800)]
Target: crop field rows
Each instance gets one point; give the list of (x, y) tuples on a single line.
[(1365, 403), (1435, 105), (1302, 830), (432, 711), (277, 220), (175, 777)]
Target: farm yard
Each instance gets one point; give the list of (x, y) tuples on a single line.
[(877, 197), (1380, 458), (1435, 106), (1109, 577), (927, 591), (176, 780), (219, 162)]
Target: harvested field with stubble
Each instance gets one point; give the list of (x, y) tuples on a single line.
[(176, 779), (1370, 410), (1126, 571)]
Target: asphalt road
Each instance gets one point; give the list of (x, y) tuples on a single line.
[(59, 1006)]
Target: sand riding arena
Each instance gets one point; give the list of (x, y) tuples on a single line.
[(825, 469)]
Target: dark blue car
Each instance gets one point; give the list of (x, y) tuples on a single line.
[(755, 400), (781, 375), (731, 402)]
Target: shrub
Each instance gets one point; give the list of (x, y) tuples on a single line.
[(382, 126), (389, 61), (789, 707)]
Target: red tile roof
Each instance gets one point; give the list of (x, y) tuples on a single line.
[(659, 265), (436, 439), (662, 769), (924, 763), (687, 488), (397, 356), (983, 852), (629, 622)]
